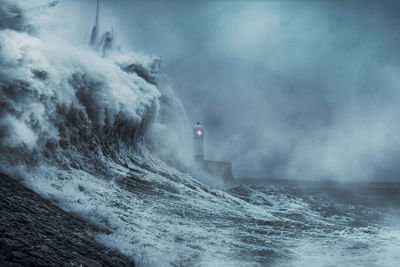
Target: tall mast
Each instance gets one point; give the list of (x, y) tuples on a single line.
[(97, 15), (93, 36)]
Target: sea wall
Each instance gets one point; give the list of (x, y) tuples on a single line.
[(218, 168)]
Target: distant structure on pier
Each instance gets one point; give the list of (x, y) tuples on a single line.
[(215, 168), (198, 142)]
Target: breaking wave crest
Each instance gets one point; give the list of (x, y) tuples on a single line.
[(59, 100)]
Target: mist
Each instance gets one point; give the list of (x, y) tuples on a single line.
[(284, 89)]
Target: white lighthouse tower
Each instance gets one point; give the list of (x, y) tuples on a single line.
[(214, 168), (198, 137)]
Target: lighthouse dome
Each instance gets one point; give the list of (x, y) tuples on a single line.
[(198, 130)]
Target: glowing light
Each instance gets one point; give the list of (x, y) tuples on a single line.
[(199, 132)]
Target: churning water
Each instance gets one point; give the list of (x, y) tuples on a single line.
[(166, 218)]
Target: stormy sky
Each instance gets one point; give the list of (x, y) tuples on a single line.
[(285, 89)]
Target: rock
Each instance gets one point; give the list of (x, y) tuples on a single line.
[(35, 232), (18, 254)]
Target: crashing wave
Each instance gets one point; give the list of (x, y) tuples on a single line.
[(57, 97), (77, 125), (73, 125)]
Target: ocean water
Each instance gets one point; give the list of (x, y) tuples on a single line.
[(73, 127), (170, 219)]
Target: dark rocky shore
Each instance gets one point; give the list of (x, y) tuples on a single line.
[(35, 232)]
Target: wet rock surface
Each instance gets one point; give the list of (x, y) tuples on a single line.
[(35, 232)]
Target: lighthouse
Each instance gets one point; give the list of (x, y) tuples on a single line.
[(198, 142), (212, 167)]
